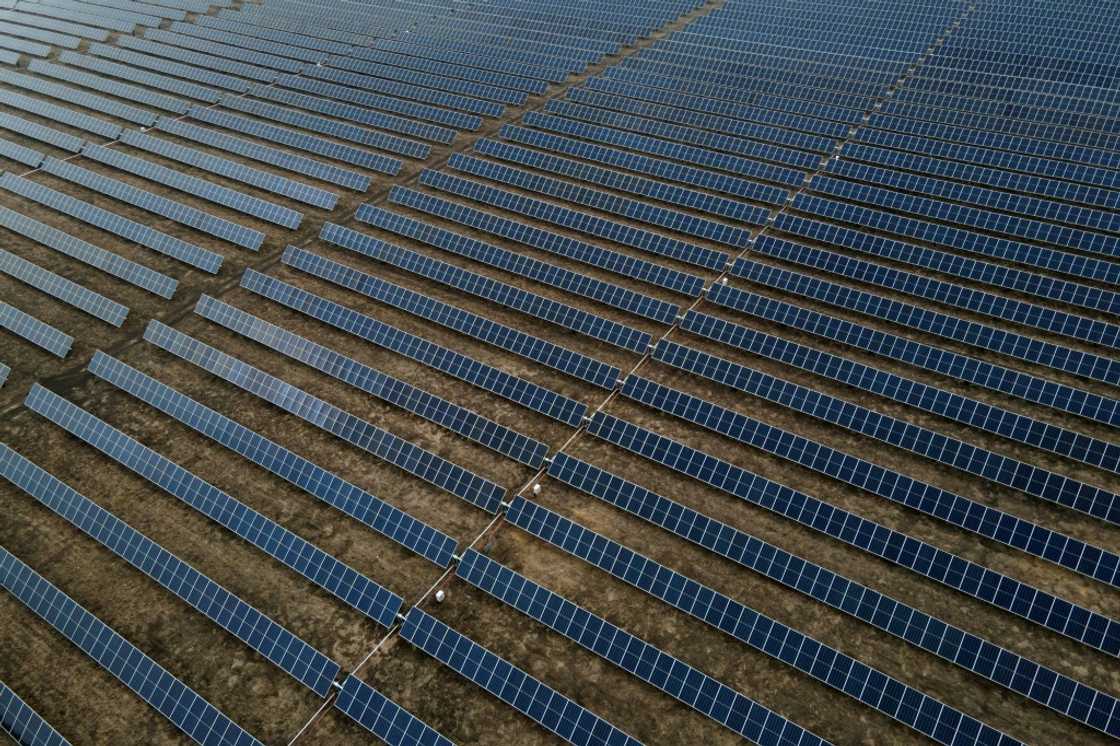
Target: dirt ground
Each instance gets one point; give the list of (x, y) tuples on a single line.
[(88, 706)]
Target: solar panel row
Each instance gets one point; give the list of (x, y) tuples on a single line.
[(642, 212), (547, 707), (519, 264), (33, 330), (348, 498), (553, 243), (23, 724), (994, 275), (551, 212), (417, 461), (170, 697), (39, 132), (920, 712), (499, 293), (945, 326), (920, 286), (460, 420), (577, 365), (923, 356), (443, 359), (283, 159), (676, 678), (280, 646), (926, 632), (202, 188), (972, 579), (301, 556), (151, 80), (689, 199), (153, 203), (383, 717), (234, 170), (60, 288)]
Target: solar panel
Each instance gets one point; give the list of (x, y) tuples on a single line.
[(61, 115), (876, 381), (428, 95), (926, 632), (1050, 234), (170, 697), (148, 8), (248, 42), (23, 724), (637, 657), (52, 24), (79, 98), (661, 191), (977, 301), (70, 15), (1036, 182), (301, 41), (554, 243), (285, 187), (5, 371), (260, 59), (9, 57), (152, 80), (662, 169), (969, 333), (470, 425), (384, 445), (60, 288), (297, 140), (351, 113), (36, 332), (520, 264), (957, 239), (433, 132), (301, 556), (547, 707), (917, 147), (324, 125), (439, 358), (160, 65), (884, 482), (481, 286), (207, 261), (102, 13), (153, 203), (22, 45), (37, 132), (202, 188), (316, 481), (280, 158), (996, 275), (973, 370), (282, 648), (374, 60), (440, 82), (642, 212), (20, 153), (113, 88), (525, 345), (865, 684), (383, 717), (199, 59), (552, 74), (972, 579), (688, 139), (551, 212)]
